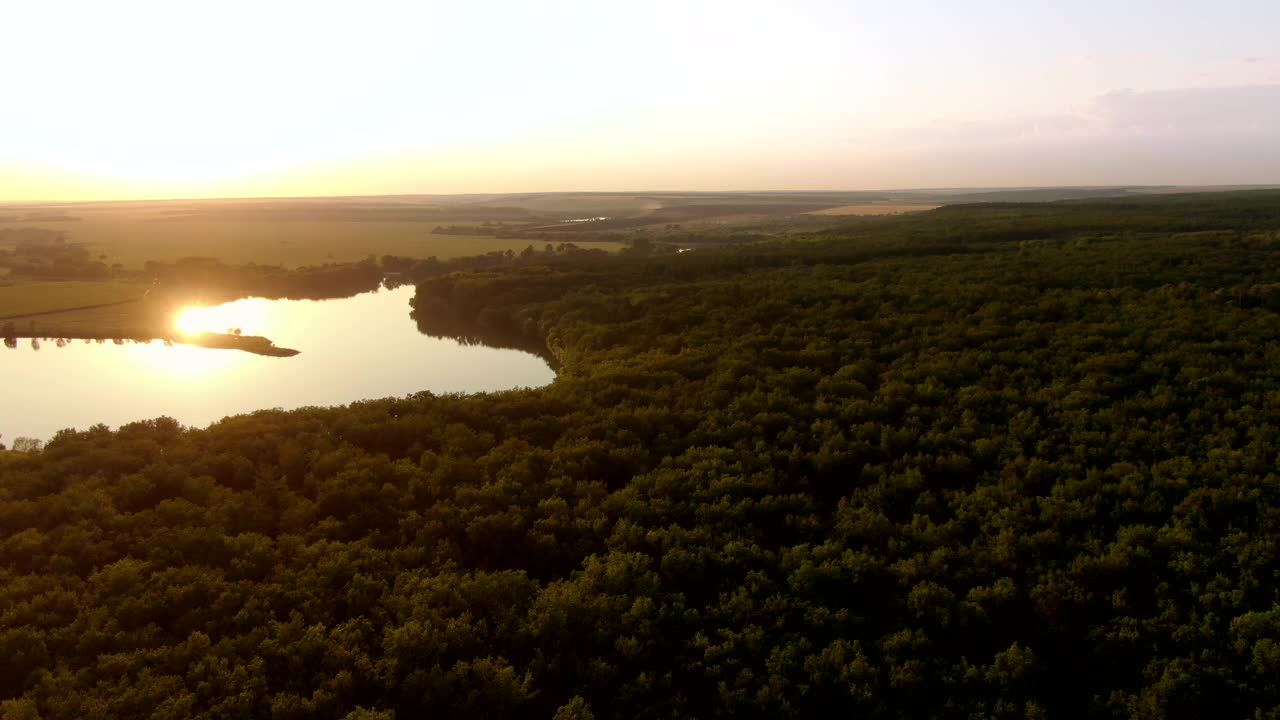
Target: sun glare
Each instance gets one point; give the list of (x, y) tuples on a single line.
[(237, 317), (192, 320)]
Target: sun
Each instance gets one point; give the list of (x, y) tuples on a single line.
[(233, 318), (191, 320)]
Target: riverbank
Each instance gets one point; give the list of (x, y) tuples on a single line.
[(255, 344)]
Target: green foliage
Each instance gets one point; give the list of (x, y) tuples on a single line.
[(324, 281), (915, 468)]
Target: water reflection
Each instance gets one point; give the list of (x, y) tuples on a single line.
[(194, 320), (352, 349)]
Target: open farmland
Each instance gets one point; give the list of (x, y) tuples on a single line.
[(298, 232), (295, 232), (46, 297), (132, 242), (584, 204)]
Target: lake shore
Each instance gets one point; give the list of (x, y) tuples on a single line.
[(255, 344)]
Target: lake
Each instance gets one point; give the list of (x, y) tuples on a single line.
[(356, 348)]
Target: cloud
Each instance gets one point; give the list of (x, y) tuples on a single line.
[(1187, 136), (1246, 110), (989, 132), (1194, 114)]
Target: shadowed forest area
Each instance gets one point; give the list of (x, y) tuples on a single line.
[(995, 460)]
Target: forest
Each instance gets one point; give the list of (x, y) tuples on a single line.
[(997, 460), (40, 253)]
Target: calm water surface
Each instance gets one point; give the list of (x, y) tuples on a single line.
[(352, 349)]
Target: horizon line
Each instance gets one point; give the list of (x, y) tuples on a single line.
[(1224, 187)]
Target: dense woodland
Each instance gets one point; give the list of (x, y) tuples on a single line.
[(996, 461)]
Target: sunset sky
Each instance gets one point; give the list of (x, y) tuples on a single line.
[(126, 99)]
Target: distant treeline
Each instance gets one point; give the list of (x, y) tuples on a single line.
[(46, 254), (268, 281), (1140, 215), (484, 229), (406, 270)]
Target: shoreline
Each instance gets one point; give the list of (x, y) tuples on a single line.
[(255, 344)]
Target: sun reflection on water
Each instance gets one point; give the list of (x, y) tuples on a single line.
[(163, 364), (238, 317)]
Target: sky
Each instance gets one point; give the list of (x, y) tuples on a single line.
[(134, 99)]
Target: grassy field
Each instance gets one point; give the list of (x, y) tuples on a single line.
[(42, 297), (147, 318), (309, 231), (132, 242)]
